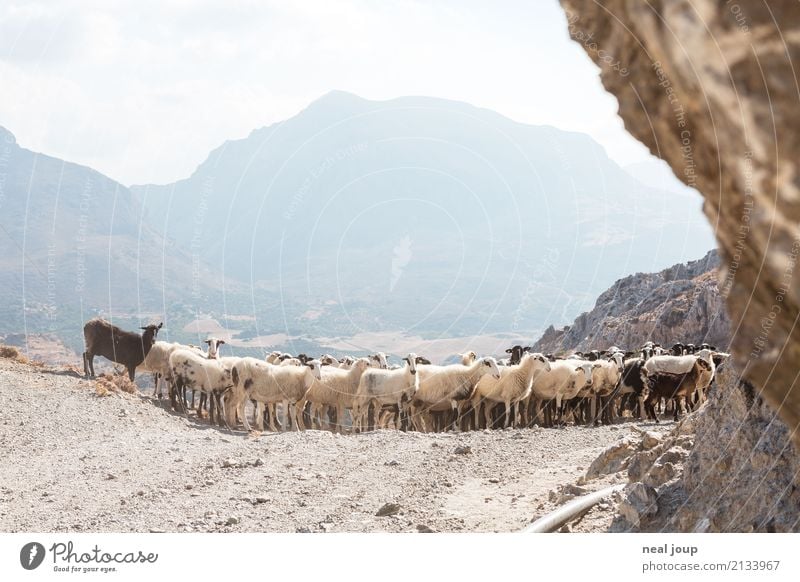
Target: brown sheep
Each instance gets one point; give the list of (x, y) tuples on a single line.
[(675, 386), (123, 347)]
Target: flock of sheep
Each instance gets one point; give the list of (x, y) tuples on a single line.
[(359, 394)]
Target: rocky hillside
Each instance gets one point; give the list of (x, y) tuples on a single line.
[(682, 302)]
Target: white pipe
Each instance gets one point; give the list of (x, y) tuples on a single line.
[(554, 520)]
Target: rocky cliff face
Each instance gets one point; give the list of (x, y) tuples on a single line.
[(681, 303), (711, 88)]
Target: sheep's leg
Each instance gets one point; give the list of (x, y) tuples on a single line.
[(241, 406), (476, 412), (259, 416), (299, 420), (88, 364), (487, 413)]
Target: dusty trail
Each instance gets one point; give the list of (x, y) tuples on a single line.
[(73, 461)]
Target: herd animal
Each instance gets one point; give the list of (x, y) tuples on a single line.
[(360, 394)]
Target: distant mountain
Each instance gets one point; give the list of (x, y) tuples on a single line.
[(432, 217), (73, 243), (681, 303)]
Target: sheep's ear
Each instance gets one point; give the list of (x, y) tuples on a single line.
[(508, 351), (220, 342), (207, 342)]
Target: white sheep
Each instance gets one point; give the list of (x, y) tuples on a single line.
[(606, 376), (513, 387), (379, 360), (385, 388), (468, 358), (564, 381), (442, 387), (157, 360), (347, 362), (210, 376), (337, 388), (265, 383)]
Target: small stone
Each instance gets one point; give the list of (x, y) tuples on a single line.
[(494, 480), (260, 500), (258, 462), (302, 530), (229, 463), (156, 530), (640, 501), (650, 439), (463, 450), (565, 528), (392, 463), (110, 477), (422, 528), (209, 482), (232, 521), (388, 509), (140, 493), (189, 486)]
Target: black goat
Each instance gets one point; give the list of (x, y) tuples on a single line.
[(123, 347)]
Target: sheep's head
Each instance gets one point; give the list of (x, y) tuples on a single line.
[(468, 358), (541, 359), (314, 366), (379, 360), (516, 353), (411, 362), (361, 364), (618, 357), (328, 360), (213, 347), (152, 329), (489, 366), (587, 369)]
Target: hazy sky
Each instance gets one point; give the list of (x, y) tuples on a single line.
[(142, 91)]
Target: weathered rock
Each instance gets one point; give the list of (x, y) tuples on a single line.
[(682, 301), (705, 88), (659, 474), (463, 450), (650, 439), (615, 458), (640, 463), (640, 501), (742, 473), (388, 509)]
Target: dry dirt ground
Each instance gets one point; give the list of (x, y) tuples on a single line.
[(74, 461)]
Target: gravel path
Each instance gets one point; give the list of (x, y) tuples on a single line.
[(73, 461)]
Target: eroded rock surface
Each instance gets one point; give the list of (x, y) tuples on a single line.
[(711, 88)]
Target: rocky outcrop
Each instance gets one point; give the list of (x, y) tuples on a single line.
[(710, 87), (742, 473), (682, 303)]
